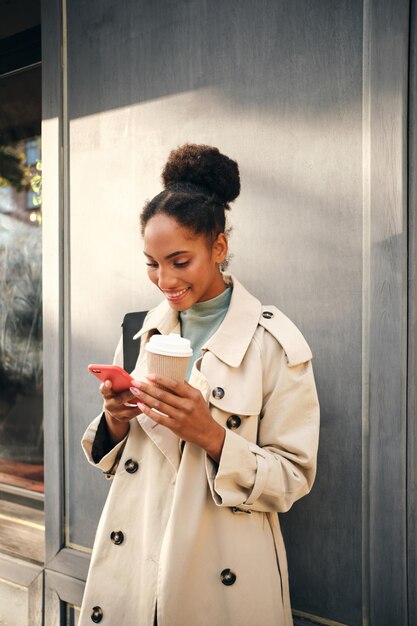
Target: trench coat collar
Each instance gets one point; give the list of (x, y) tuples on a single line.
[(230, 342), (162, 318)]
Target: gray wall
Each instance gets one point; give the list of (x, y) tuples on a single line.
[(310, 97)]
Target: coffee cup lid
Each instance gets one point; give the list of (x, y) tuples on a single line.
[(169, 345)]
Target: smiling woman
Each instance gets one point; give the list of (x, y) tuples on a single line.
[(201, 466), (182, 266)]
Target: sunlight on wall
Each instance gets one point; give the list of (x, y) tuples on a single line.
[(301, 179)]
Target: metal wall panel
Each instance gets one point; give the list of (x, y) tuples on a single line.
[(388, 313), (281, 91), (309, 97)]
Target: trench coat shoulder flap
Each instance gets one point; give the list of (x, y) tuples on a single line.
[(287, 334)]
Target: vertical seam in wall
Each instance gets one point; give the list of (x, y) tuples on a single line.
[(66, 264), (411, 309), (366, 286)]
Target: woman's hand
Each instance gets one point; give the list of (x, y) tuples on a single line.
[(185, 412), (117, 411)]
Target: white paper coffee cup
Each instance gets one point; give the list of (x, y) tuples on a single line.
[(168, 355)]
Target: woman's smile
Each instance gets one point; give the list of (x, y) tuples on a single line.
[(176, 296)]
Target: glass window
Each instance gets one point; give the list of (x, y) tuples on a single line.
[(21, 400)]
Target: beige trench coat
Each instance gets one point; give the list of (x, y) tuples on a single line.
[(202, 542)]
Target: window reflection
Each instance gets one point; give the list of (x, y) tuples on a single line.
[(21, 439), (21, 401)]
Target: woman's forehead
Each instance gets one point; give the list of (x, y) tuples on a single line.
[(164, 235)]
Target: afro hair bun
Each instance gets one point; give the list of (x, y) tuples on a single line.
[(203, 166)]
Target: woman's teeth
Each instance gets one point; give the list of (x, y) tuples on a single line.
[(173, 296)]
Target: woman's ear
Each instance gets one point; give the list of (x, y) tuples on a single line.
[(220, 248)]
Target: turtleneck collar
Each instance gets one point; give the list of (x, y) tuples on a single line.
[(208, 307)]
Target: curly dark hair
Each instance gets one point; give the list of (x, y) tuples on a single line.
[(199, 183)]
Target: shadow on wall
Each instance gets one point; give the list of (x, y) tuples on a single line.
[(20, 341), (145, 51)]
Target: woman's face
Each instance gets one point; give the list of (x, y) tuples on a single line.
[(182, 264)]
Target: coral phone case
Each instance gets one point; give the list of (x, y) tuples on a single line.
[(120, 379)]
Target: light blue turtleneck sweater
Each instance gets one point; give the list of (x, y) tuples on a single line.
[(202, 320)]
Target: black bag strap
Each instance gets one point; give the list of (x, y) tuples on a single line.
[(132, 323)]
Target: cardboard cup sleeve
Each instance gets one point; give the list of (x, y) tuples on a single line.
[(172, 366)]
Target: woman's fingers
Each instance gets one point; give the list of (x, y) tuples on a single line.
[(179, 389), (157, 416), (160, 400), (123, 398), (165, 395), (106, 389), (120, 406), (169, 383), (121, 412), (191, 422)]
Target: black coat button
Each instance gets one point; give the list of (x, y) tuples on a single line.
[(267, 315), (228, 577), (117, 537), (97, 614), (218, 393), (233, 422), (131, 466)]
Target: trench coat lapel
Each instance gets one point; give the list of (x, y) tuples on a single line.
[(164, 439), (231, 341)]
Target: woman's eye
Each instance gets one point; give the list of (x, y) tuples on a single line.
[(152, 264), (181, 264)]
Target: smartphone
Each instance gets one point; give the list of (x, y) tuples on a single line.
[(120, 379)]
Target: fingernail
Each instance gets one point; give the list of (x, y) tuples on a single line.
[(135, 391)]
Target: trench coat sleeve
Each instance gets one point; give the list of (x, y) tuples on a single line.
[(108, 462), (277, 470)]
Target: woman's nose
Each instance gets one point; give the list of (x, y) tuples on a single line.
[(166, 279)]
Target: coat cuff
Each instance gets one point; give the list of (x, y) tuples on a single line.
[(95, 446), (241, 475)]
